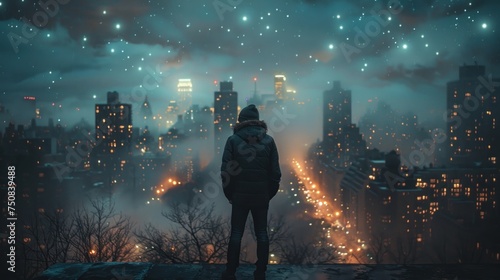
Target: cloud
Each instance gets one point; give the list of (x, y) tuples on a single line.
[(413, 77)]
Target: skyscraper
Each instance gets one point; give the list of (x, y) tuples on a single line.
[(472, 113), (225, 114), (279, 86), (113, 125), (341, 139), (185, 94), (336, 111)]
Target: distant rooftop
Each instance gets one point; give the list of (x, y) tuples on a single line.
[(471, 71), (149, 271)]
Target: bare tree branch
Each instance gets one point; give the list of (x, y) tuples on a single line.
[(198, 235)]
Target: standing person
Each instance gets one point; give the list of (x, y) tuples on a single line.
[(251, 175)]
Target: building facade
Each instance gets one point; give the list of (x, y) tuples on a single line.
[(473, 110), (225, 115)]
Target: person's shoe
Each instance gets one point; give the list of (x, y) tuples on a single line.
[(259, 275), (228, 276)]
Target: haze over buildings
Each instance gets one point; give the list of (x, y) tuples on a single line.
[(385, 115)]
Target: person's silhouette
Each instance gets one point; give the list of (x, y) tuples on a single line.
[(250, 175)]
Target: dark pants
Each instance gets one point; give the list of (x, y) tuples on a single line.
[(239, 216)]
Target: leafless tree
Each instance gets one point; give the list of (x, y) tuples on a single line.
[(378, 247), (157, 246), (89, 234), (198, 235), (404, 250), (302, 252), (468, 250), (100, 234), (440, 247), (293, 252), (45, 241)]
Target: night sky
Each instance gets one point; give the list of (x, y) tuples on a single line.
[(84, 49)]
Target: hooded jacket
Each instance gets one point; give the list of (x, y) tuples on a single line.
[(250, 164)]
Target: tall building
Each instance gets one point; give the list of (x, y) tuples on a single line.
[(197, 122), (171, 113), (341, 139), (473, 110), (185, 94), (279, 86), (113, 125), (336, 111), (225, 114)]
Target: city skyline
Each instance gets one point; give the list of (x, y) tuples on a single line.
[(405, 60), (353, 196), (165, 117)]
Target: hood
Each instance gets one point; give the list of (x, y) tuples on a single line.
[(251, 131)]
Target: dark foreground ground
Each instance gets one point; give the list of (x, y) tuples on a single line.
[(139, 271)]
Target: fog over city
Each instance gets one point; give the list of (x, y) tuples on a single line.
[(384, 113)]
